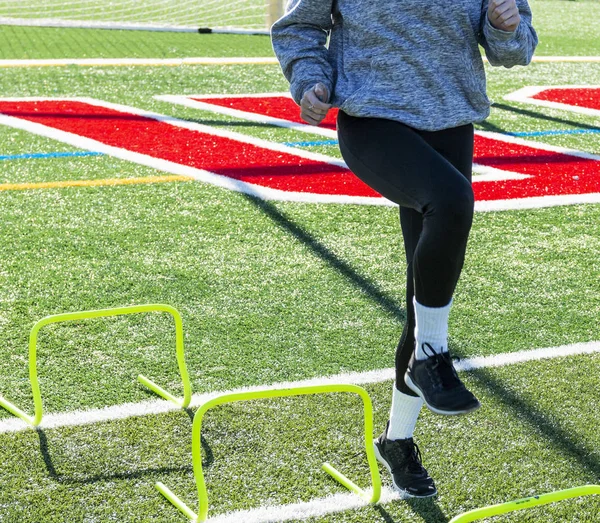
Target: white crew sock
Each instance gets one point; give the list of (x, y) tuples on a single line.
[(403, 415), (431, 328)]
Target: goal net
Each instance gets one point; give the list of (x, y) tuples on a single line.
[(241, 16)]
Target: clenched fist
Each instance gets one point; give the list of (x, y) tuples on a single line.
[(314, 104), (504, 15)]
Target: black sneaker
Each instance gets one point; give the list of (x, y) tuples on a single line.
[(402, 458), (436, 381)]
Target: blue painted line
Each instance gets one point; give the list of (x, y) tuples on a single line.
[(36, 156), (311, 144), (555, 133)]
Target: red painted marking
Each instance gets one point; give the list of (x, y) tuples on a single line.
[(226, 156), (280, 107), (552, 173), (588, 97)]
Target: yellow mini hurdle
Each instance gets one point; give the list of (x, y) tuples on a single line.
[(372, 497), (36, 419)]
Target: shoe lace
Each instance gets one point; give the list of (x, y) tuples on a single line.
[(442, 371), (414, 463), (409, 457)]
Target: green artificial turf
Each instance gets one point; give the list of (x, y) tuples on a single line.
[(535, 433), (273, 291), (269, 292), (563, 27)]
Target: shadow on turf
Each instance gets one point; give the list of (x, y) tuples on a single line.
[(228, 123), (136, 474), (549, 427), (321, 251), (540, 422), (427, 509), (532, 114), (485, 125)]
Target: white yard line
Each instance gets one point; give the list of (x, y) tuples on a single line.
[(536, 202), (200, 60), (309, 509), (144, 408)]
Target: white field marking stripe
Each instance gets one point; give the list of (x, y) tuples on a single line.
[(308, 509), (544, 59), (192, 126), (170, 62), (536, 202), (185, 100), (144, 408), (526, 94), (265, 192), (285, 94), (484, 173), (258, 60), (175, 168), (246, 115), (537, 145)]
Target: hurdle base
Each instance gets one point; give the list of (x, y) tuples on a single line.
[(347, 482), (176, 501), (276, 393), (157, 389), (16, 411)]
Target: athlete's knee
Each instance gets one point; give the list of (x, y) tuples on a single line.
[(454, 209), (464, 204)]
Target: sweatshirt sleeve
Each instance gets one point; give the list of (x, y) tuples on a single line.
[(299, 40), (506, 48)]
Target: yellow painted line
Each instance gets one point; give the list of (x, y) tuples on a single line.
[(94, 62), (93, 183)]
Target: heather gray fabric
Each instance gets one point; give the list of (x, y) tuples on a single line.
[(414, 61)]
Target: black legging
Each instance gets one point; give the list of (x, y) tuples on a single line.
[(428, 174)]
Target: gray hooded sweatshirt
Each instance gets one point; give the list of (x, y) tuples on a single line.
[(414, 61)]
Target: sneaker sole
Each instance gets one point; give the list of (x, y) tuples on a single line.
[(405, 494), (417, 390)]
